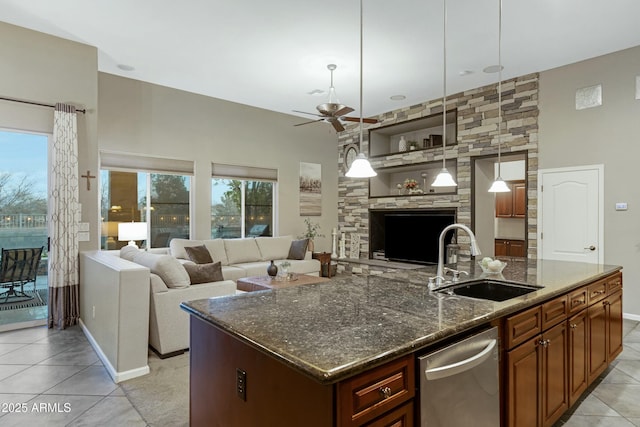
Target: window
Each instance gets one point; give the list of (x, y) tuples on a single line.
[(242, 202), (161, 199)]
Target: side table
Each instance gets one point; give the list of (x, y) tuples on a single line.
[(325, 262)]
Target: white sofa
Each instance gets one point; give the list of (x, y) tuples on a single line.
[(249, 257)]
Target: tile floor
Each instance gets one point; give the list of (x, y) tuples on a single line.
[(54, 378)]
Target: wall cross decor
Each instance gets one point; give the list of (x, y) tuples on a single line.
[(88, 176)]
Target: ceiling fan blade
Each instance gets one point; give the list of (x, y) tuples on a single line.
[(306, 123), (336, 125), (304, 112), (357, 119), (343, 111)]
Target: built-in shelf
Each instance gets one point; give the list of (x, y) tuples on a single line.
[(390, 180), (425, 132)]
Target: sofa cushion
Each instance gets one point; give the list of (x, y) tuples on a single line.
[(128, 252), (204, 273), (242, 250), (198, 254), (273, 247), (217, 250), (167, 267), (298, 249), (176, 247)]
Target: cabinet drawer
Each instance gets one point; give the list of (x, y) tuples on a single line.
[(522, 326), (614, 283), (401, 417), (371, 394), (596, 291), (554, 311), (577, 300)]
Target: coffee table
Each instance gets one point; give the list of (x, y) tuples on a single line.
[(261, 283)]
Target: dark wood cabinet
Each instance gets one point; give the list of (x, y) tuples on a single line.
[(554, 389), (537, 381), (556, 350), (512, 204), (578, 353), (509, 247)]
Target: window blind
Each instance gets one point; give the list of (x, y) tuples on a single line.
[(243, 172), (127, 162)]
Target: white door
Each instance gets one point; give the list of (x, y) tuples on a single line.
[(571, 214)]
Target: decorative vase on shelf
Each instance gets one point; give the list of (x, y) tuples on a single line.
[(402, 145), (272, 269)]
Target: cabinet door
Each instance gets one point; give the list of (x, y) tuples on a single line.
[(516, 248), (614, 325), (504, 205), (523, 392), (501, 248), (597, 328), (578, 351), (519, 196), (554, 386)]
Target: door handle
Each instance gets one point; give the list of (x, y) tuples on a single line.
[(591, 248), (462, 366)]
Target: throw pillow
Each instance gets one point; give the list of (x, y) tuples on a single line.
[(128, 252), (167, 267), (298, 249), (204, 273), (198, 254)]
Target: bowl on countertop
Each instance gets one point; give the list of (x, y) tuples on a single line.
[(489, 270)]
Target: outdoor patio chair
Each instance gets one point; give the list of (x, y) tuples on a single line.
[(18, 267)]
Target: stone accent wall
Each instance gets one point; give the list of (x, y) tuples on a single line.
[(477, 136)]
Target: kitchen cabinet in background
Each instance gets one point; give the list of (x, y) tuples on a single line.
[(509, 247), (512, 204)]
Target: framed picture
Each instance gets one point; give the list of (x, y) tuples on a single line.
[(310, 189)]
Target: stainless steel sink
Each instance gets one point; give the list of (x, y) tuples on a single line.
[(488, 289)]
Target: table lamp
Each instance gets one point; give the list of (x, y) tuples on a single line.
[(132, 231)]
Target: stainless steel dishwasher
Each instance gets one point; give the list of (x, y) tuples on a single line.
[(459, 383)]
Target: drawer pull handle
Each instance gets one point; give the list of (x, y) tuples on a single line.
[(578, 302), (573, 326), (385, 392), (544, 343), (600, 292)]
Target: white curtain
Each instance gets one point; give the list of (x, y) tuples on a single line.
[(64, 212)]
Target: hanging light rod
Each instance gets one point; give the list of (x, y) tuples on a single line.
[(360, 168), (444, 178), (499, 186)]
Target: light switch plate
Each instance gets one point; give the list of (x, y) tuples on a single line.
[(621, 206), (83, 236), (83, 226)]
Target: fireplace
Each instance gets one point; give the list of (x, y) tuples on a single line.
[(409, 235)]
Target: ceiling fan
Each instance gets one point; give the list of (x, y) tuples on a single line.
[(332, 111)]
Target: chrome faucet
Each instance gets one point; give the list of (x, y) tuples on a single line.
[(475, 250)]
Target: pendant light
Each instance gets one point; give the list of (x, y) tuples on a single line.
[(499, 186), (360, 168), (444, 178)]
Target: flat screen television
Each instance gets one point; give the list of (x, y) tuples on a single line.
[(413, 237)]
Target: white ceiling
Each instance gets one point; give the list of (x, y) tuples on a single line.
[(270, 54)]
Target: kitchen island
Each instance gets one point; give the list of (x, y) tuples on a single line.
[(284, 356)]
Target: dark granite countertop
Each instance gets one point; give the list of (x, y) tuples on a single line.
[(333, 330)]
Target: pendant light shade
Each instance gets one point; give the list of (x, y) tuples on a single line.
[(444, 178), (499, 186), (360, 168)]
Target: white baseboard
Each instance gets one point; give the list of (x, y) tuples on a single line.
[(115, 375), (630, 316)]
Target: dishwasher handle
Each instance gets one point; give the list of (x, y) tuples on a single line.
[(463, 365)]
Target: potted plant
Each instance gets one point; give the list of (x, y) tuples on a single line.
[(312, 231)]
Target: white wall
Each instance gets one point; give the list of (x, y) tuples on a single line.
[(38, 67), (143, 118), (609, 135)]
